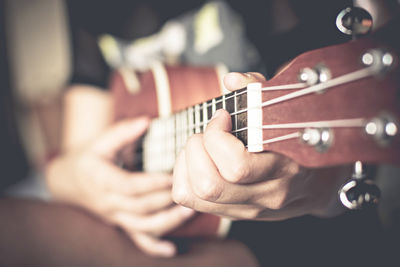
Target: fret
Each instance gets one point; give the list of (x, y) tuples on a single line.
[(229, 104), (200, 117), (197, 118), (191, 121), (241, 99), (213, 106), (205, 111), (241, 118), (230, 107), (219, 103), (212, 109), (234, 117), (166, 137)]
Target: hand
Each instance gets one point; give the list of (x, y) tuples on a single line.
[(139, 203), (216, 174)]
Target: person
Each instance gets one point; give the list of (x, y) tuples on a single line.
[(85, 173), (234, 183), (242, 185)]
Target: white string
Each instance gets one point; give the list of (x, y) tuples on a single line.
[(285, 87), (346, 78), (282, 138), (353, 76), (357, 122)]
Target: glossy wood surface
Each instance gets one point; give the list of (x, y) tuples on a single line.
[(365, 98)]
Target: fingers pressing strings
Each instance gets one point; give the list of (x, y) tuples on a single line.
[(233, 161), (183, 194)]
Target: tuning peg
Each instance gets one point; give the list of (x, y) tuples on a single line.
[(359, 192), (354, 21)]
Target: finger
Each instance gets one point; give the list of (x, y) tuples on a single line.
[(120, 135), (143, 205), (143, 183), (205, 180), (118, 180), (156, 224), (183, 195), (154, 246), (233, 161), (181, 189), (237, 80)]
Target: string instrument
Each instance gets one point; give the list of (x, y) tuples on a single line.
[(331, 106)]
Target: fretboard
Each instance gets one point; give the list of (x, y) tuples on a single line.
[(167, 135)]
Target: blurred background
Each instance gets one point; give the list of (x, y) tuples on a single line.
[(39, 60)]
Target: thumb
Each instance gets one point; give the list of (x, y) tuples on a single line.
[(120, 135), (237, 80), (220, 121)]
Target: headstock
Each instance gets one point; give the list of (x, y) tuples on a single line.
[(335, 105)]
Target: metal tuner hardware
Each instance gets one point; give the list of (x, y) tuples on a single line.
[(319, 138), (354, 21), (312, 76), (360, 191)]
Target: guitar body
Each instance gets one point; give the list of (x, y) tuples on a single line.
[(161, 92), (186, 86), (331, 106)]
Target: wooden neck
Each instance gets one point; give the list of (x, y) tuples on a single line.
[(167, 135)]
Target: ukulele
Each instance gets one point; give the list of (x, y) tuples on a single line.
[(331, 106)]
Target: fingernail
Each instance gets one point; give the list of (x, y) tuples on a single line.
[(216, 113), (249, 75), (167, 250), (186, 211)]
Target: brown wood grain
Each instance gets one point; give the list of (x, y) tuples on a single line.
[(364, 98)]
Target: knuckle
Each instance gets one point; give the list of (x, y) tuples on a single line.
[(209, 137), (238, 172), (208, 190), (180, 196)]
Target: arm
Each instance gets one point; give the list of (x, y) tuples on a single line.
[(216, 174), (85, 174)]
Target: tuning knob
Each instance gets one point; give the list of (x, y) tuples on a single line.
[(354, 21), (359, 192)]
